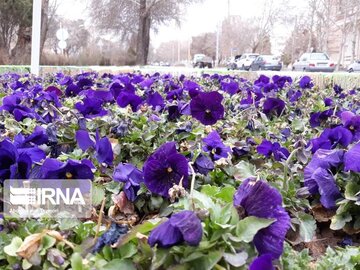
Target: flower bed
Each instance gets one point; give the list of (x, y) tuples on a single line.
[(208, 172)]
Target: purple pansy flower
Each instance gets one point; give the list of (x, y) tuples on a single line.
[(352, 122), (328, 102), (131, 176), (305, 82), (181, 227), (207, 107), (263, 262), (125, 98), (72, 169), (262, 80), (13, 105), (294, 96), (259, 199), (316, 118), (231, 87), (91, 107), (72, 90), (164, 168), (280, 81), (105, 96), (215, 147), (38, 137), (337, 89), (192, 87), (203, 164), (155, 100), (267, 148), (13, 164), (330, 138), (318, 177), (351, 159), (104, 152), (273, 106)]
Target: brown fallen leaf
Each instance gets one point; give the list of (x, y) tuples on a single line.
[(322, 214), (59, 237), (30, 245), (121, 201)]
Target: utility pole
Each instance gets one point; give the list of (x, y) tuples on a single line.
[(35, 37), (179, 51), (217, 44)]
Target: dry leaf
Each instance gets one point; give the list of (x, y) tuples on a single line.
[(59, 237), (30, 245)]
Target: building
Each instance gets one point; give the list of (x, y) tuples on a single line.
[(343, 43)]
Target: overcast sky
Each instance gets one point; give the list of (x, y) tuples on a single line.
[(199, 18)]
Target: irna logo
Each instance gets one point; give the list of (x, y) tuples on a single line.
[(53, 198)]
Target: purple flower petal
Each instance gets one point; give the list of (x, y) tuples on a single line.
[(351, 159), (327, 187), (261, 200), (165, 235), (83, 140), (164, 168), (207, 107), (263, 262)]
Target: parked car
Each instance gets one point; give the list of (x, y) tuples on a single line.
[(245, 61), (201, 61), (231, 64), (353, 67), (314, 62), (266, 62)]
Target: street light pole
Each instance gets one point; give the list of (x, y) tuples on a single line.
[(217, 45), (35, 37)]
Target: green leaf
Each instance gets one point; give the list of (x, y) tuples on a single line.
[(119, 264), (307, 226), (46, 243), (249, 226), (351, 191), (98, 194), (210, 190), (298, 125), (236, 260), (128, 250), (338, 221), (13, 246), (113, 187), (26, 264), (226, 194), (159, 258), (141, 228), (208, 261), (68, 223), (76, 262), (244, 170)]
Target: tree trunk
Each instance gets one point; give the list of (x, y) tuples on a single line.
[(143, 39), (313, 8), (354, 34), (22, 50), (44, 24), (343, 36)]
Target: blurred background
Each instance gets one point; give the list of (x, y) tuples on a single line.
[(171, 32)]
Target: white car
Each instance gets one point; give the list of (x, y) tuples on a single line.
[(314, 62), (354, 67), (245, 61)]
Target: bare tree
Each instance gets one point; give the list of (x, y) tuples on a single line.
[(236, 36), (15, 23), (263, 25), (204, 43), (129, 18)]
